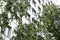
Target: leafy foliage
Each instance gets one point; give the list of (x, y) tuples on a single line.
[(24, 31), (45, 24), (52, 19)]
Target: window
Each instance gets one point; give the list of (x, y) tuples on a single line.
[(28, 14), (39, 1), (34, 2), (39, 8), (33, 10)]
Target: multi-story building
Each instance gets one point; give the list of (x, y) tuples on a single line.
[(36, 7)]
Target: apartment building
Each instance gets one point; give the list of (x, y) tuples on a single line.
[(36, 7)]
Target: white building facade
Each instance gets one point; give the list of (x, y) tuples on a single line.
[(36, 7)]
